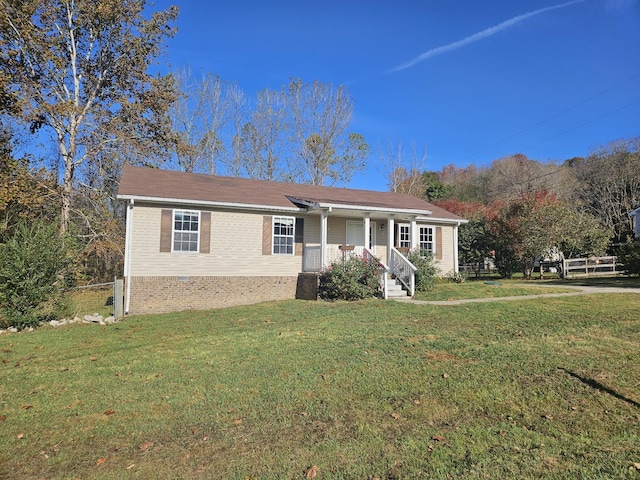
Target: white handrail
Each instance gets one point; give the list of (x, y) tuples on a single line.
[(382, 276), (404, 270)]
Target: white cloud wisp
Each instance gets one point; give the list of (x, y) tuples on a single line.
[(479, 36)]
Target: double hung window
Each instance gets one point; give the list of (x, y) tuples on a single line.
[(186, 229), (426, 239), (404, 235), (283, 235)]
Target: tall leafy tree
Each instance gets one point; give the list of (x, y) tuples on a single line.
[(81, 70)]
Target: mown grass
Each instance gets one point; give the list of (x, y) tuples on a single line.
[(444, 290), (545, 388)]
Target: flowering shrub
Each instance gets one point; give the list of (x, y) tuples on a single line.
[(354, 278), (427, 273)]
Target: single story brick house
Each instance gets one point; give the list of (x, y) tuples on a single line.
[(197, 241)]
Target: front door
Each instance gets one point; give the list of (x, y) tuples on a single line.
[(355, 234)]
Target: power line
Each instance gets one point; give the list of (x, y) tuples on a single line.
[(584, 123), (561, 112)]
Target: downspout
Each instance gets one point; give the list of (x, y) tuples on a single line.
[(127, 254), (456, 266)]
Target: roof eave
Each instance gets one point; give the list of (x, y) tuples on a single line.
[(369, 208), (208, 203)]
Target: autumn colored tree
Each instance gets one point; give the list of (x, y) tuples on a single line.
[(403, 168), (24, 195), (80, 70), (528, 227)]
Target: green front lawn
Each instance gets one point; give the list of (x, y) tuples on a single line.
[(486, 289), (545, 388)]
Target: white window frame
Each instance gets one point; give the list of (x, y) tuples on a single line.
[(175, 232), (431, 236), (404, 229), (280, 235)]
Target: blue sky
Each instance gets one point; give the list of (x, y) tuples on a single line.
[(468, 81)]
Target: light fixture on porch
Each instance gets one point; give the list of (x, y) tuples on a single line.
[(381, 226)]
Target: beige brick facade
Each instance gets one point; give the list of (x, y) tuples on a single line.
[(169, 294)]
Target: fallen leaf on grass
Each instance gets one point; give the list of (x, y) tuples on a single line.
[(395, 415), (109, 412), (238, 422), (20, 436), (445, 375), (438, 438), (311, 472), (145, 446), (100, 461), (93, 359), (131, 466), (27, 407), (3, 418), (637, 465)]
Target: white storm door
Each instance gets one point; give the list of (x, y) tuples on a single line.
[(355, 234)]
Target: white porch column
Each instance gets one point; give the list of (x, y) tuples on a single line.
[(390, 240), (323, 238), (413, 233), (367, 226)]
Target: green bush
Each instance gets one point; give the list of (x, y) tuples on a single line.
[(354, 278), (33, 263), (426, 273), (629, 256), (455, 277)]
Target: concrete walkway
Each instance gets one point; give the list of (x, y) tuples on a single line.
[(579, 290)]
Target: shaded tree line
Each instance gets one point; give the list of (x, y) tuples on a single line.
[(519, 208)]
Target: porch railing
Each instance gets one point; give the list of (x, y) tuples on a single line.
[(311, 261), (403, 270), (382, 273), (311, 257)]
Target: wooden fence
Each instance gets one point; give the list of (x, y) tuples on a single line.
[(590, 267)]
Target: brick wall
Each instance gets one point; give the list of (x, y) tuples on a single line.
[(169, 294)]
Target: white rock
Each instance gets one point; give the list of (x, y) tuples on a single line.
[(110, 320), (12, 330)]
